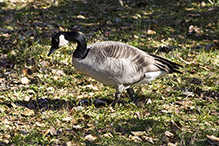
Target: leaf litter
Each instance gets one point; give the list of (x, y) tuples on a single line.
[(40, 96)]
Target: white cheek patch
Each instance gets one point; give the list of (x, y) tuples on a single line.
[(62, 40)]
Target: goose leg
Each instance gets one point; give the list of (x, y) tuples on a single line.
[(115, 101), (131, 95)]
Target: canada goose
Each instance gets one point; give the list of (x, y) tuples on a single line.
[(114, 63)]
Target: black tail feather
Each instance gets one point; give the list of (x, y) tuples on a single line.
[(166, 65)]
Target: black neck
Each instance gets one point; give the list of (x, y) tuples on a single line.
[(81, 50)]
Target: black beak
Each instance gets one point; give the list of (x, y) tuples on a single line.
[(51, 51)]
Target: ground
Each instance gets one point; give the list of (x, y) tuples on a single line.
[(45, 101)]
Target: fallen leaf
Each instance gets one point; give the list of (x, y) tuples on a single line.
[(90, 138), (67, 119), (149, 139), (138, 133), (169, 134), (47, 132), (70, 143), (149, 101), (24, 80), (6, 122), (26, 71), (213, 140), (76, 127), (91, 87), (6, 141), (172, 144), (135, 138), (28, 112), (151, 32), (148, 129), (109, 23), (58, 72), (39, 124), (53, 131), (81, 17), (188, 94), (109, 135)]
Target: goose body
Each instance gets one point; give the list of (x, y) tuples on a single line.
[(114, 63)]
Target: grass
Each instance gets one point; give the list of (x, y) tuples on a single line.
[(45, 111)]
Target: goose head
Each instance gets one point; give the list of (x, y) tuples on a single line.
[(62, 38), (58, 40)]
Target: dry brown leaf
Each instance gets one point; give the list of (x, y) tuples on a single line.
[(109, 135), (169, 134), (151, 32), (90, 137), (213, 140), (6, 141), (26, 71), (6, 136), (172, 144), (16, 112), (76, 127), (91, 87), (28, 112), (53, 131), (39, 124), (6, 122), (135, 138), (70, 143), (47, 132), (4, 108), (81, 17), (25, 80), (188, 94), (58, 72), (50, 90), (149, 139), (138, 133)]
